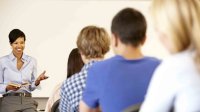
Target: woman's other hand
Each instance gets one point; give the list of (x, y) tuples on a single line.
[(41, 77)]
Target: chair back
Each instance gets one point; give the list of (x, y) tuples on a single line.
[(134, 108), (55, 107)]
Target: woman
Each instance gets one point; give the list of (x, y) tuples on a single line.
[(176, 83), (18, 76), (74, 65)]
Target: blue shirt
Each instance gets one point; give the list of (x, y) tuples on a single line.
[(117, 83), (9, 73), (72, 89)]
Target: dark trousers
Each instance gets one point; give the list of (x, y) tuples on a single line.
[(18, 104)]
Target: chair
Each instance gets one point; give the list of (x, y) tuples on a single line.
[(0, 101), (134, 108), (55, 106)]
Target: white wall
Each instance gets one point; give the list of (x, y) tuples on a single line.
[(51, 28)]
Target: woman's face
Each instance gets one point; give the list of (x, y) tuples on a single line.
[(18, 46)]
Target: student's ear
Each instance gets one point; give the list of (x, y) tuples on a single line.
[(144, 40), (83, 57), (114, 40)]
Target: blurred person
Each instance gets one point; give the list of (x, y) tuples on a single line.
[(18, 77), (121, 81), (176, 83)]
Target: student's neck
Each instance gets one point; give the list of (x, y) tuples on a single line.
[(130, 52), (92, 59)]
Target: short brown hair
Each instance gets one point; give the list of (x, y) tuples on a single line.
[(129, 25), (93, 42)]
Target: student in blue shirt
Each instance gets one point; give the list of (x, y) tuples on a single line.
[(18, 77), (121, 81)]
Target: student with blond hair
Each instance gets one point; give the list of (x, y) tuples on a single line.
[(176, 82), (93, 43)]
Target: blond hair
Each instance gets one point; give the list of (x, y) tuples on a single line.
[(93, 42), (180, 20)]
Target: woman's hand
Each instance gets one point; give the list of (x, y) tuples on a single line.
[(40, 78)]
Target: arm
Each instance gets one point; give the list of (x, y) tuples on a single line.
[(90, 100), (2, 85), (36, 81), (33, 75), (64, 103)]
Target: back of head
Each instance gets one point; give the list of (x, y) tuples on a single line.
[(14, 34), (75, 62), (180, 21), (93, 42), (129, 25)]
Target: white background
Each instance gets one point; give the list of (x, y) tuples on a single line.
[(52, 26)]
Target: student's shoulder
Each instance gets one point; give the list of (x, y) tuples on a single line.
[(153, 59), (179, 61), (74, 78), (67, 82), (105, 62), (73, 82)]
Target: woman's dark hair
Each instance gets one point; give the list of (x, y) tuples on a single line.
[(75, 62), (15, 34)]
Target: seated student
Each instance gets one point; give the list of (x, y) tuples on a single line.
[(74, 65), (121, 81), (176, 82), (93, 43)]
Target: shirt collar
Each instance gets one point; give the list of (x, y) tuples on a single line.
[(12, 57), (86, 66)]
